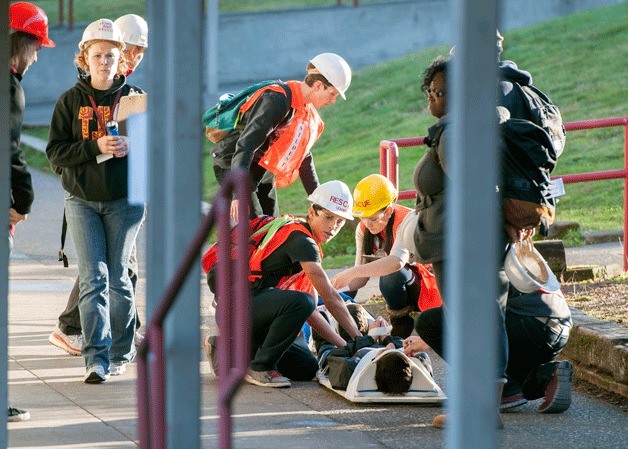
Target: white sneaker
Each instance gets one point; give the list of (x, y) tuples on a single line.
[(95, 375), (72, 344), (117, 368)]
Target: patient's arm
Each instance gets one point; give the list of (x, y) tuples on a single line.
[(320, 325)]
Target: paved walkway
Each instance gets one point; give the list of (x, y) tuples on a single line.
[(66, 413)]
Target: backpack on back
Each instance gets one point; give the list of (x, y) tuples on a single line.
[(544, 113), (221, 119), (528, 158), (261, 231)]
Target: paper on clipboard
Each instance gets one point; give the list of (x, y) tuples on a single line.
[(128, 105)]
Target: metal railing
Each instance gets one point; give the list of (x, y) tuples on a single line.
[(389, 164), (233, 313)]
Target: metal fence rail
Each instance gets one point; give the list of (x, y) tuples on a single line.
[(389, 164), (233, 292)]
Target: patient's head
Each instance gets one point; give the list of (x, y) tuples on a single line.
[(393, 373), (361, 318)]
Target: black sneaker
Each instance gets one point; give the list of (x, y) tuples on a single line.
[(16, 414), (558, 390)]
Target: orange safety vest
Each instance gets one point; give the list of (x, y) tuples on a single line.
[(298, 281), (429, 296), (291, 143)]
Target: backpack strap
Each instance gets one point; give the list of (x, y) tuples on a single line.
[(280, 87), (64, 230)]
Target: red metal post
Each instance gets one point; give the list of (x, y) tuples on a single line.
[(157, 421), (388, 164), (626, 194), (152, 404)]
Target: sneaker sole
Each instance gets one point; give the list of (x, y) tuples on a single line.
[(95, 378), (513, 404), (60, 343), (21, 417), (562, 396), (250, 380)]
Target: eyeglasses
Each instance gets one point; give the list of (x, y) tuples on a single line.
[(436, 93), (374, 219), (332, 219)]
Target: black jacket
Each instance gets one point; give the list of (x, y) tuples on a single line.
[(246, 144), (72, 142), (22, 194), (510, 97)]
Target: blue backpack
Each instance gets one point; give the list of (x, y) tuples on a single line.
[(221, 119)]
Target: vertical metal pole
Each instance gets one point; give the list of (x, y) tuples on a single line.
[(211, 49), (60, 12), (472, 230), (5, 186), (175, 73)]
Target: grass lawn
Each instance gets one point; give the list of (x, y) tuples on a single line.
[(578, 60)]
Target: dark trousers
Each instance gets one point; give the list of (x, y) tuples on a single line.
[(533, 347), (499, 310), (400, 289), (70, 318), (277, 319), (264, 195)]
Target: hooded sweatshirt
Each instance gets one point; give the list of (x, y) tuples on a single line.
[(72, 146), (508, 96), (22, 195)]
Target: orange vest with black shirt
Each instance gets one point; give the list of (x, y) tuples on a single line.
[(290, 143)]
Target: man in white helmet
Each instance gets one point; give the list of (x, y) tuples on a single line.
[(135, 36), (277, 129), (67, 333), (284, 295)]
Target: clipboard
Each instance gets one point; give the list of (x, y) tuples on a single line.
[(131, 104), (128, 105)]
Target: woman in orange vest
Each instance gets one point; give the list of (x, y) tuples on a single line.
[(406, 286), (277, 129)]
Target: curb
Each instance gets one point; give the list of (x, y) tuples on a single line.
[(599, 350)]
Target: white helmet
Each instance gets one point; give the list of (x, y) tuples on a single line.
[(101, 29), (335, 197), (528, 271), (335, 70), (134, 30)]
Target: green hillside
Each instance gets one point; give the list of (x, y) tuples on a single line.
[(579, 61)]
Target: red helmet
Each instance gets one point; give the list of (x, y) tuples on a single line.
[(31, 19)]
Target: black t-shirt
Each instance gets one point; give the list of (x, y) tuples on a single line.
[(285, 260)]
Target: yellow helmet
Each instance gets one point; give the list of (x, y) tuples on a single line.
[(372, 194)]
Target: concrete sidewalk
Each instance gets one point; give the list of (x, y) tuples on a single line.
[(67, 413)]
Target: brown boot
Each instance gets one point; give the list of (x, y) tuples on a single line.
[(401, 321)]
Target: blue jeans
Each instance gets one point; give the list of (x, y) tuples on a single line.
[(104, 234)]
